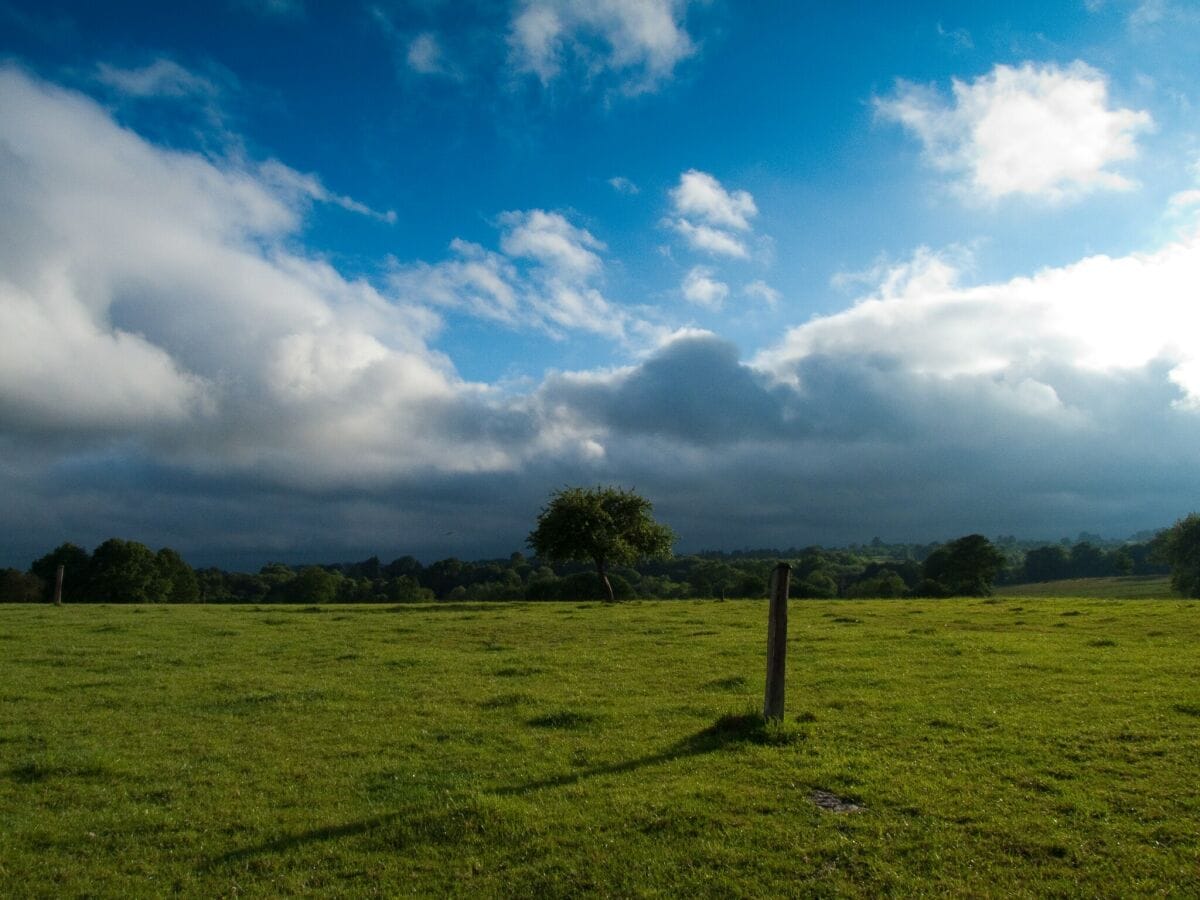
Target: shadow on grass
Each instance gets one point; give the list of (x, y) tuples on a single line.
[(293, 841), (746, 728), (729, 730)]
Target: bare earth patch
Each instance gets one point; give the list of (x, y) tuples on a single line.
[(833, 802)]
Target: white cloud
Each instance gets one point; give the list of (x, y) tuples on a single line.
[(710, 218), (700, 196), (1099, 315), (623, 185), (535, 37), (553, 241), (425, 54), (699, 287), (1189, 197), (958, 39), (161, 78), (1185, 199), (422, 52), (760, 290), (1157, 14), (1148, 12), (640, 40), (1045, 132), (286, 180), (483, 283), (545, 278), (710, 240)]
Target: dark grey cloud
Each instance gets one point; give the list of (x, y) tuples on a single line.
[(694, 390)]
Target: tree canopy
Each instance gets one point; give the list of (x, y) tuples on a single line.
[(1179, 546), (126, 572), (965, 567), (607, 525), (75, 561)]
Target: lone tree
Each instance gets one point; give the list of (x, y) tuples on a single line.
[(607, 525), (1179, 545)]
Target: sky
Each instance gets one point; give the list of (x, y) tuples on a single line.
[(294, 280)]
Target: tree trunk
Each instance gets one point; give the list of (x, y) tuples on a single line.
[(604, 580)]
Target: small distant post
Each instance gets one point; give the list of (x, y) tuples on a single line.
[(58, 579), (777, 642)]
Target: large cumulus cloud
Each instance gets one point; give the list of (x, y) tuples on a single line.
[(156, 299)]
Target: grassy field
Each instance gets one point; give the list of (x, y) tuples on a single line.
[(1010, 747), (1124, 587)]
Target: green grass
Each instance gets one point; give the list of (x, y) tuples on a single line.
[(1003, 747), (1124, 587)]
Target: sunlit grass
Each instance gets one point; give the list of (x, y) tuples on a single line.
[(994, 748)]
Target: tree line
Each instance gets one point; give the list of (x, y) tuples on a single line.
[(123, 571), (118, 571)]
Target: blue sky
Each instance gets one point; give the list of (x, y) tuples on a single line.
[(290, 280)]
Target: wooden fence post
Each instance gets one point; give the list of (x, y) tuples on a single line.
[(58, 579), (777, 642)]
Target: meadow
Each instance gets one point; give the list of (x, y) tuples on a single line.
[(1011, 746), (1121, 587)]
